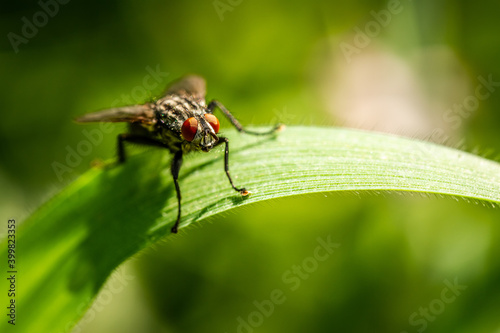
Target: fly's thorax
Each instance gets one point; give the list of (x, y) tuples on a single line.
[(174, 110)]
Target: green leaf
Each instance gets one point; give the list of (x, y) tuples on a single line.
[(68, 247)]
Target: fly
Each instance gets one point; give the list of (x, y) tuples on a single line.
[(180, 121)]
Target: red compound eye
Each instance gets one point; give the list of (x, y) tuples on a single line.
[(189, 129), (213, 121)]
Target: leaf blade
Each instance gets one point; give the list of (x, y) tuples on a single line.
[(106, 216)]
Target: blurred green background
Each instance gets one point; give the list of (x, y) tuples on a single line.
[(398, 67)]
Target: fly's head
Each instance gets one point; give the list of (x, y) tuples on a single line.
[(201, 131)]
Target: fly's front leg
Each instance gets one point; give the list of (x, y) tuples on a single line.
[(225, 140), (213, 104), (175, 168)]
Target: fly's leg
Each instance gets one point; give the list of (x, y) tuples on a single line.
[(225, 140), (175, 168), (210, 108), (138, 139), (214, 103)]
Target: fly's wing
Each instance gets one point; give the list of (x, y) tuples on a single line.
[(192, 85), (130, 114)]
